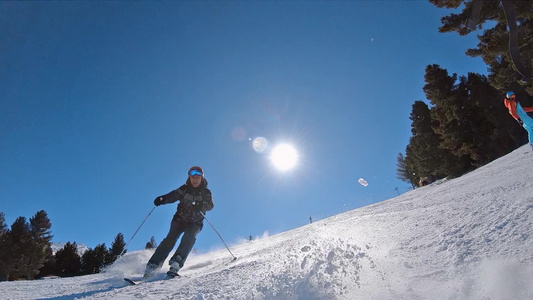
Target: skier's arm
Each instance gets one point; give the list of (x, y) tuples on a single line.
[(528, 109), (208, 201), (175, 195)]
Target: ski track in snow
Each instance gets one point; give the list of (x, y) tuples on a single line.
[(466, 238)]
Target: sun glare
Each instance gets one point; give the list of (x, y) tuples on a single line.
[(284, 157)]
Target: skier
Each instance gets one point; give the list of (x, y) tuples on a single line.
[(519, 113), (194, 199)]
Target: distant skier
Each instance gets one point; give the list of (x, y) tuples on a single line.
[(519, 113), (194, 197)]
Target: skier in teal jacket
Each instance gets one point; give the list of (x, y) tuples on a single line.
[(519, 113)]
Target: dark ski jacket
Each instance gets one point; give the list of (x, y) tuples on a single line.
[(187, 195)]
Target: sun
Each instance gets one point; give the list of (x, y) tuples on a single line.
[(284, 157)]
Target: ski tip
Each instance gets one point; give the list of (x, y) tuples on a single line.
[(129, 281)]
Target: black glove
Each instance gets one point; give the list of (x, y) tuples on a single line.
[(159, 200), (198, 205), (520, 122)]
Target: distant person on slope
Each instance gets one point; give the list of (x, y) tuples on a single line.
[(519, 113), (194, 199)]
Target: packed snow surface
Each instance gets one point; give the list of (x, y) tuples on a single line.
[(466, 238)]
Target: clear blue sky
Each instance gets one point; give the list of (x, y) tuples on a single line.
[(105, 105)]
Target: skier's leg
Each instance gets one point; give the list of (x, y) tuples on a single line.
[(529, 134), (186, 244), (162, 251), (528, 122)]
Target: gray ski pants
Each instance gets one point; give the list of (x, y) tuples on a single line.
[(187, 242)]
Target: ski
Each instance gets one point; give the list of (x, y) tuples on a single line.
[(130, 281), (141, 280)]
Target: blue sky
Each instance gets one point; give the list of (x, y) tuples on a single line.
[(105, 105)]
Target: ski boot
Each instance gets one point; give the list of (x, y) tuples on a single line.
[(175, 266), (150, 270)]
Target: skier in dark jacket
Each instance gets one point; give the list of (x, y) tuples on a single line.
[(194, 199)]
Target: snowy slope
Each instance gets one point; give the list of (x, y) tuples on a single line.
[(467, 238), (58, 246)]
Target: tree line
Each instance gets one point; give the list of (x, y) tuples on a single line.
[(465, 125), (26, 251)]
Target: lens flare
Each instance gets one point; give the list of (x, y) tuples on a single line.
[(284, 157), (260, 144)]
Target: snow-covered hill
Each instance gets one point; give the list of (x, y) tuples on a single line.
[(466, 238), (58, 246)]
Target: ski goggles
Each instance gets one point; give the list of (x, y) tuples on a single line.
[(196, 172)]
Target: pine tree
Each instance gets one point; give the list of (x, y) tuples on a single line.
[(21, 250), (497, 132), (88, 262), (40, 249), (402, 172), (494, 46), (424, 155), (102, 257), (151, 244), (49, 268), (3, 226), (472, 121), (6, 245), (68, 262), (117, 247), (94, 260), (451, 110)]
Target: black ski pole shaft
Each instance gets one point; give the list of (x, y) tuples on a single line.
[(126, 247), (234, 257)]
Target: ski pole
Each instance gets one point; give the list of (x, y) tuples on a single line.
[(234, 257), (126, 247)]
